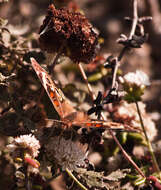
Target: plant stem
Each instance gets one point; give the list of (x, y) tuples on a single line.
[(147, 139), (75, 179), (124, 49), (110, 131), (86, 81), (128, 158), (135, 19)]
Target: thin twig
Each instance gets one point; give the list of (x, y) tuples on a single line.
[(86, 81), (126, 155), (75, 179), (135, 19), (117, 64), (89, 86), (147, 139), (125, 48)]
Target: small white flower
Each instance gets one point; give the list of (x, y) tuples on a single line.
[(27, 142), (139, 78)]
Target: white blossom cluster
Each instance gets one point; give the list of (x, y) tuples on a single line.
[(27, 142), (139, 78)]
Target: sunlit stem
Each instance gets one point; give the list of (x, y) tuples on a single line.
[(75, 179), (86, 81), (148, 141)]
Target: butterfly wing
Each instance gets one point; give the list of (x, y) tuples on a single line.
[(60, 103), (107, 125)]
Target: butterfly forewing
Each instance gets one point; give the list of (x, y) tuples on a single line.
[(56, 96)]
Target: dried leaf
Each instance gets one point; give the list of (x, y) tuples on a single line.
[(117, 175), (92, 179)]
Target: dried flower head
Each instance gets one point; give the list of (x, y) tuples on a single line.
[(66, 153), (127, 113), (70, 31), (25, 144), (134, 84)]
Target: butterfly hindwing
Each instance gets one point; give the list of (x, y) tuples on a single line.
[(106, 125)]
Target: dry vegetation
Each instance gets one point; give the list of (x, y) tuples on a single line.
[(100, 67)]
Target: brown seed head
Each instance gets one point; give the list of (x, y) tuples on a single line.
[(71, 30)]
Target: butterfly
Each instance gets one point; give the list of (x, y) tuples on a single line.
[(69, 116)]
